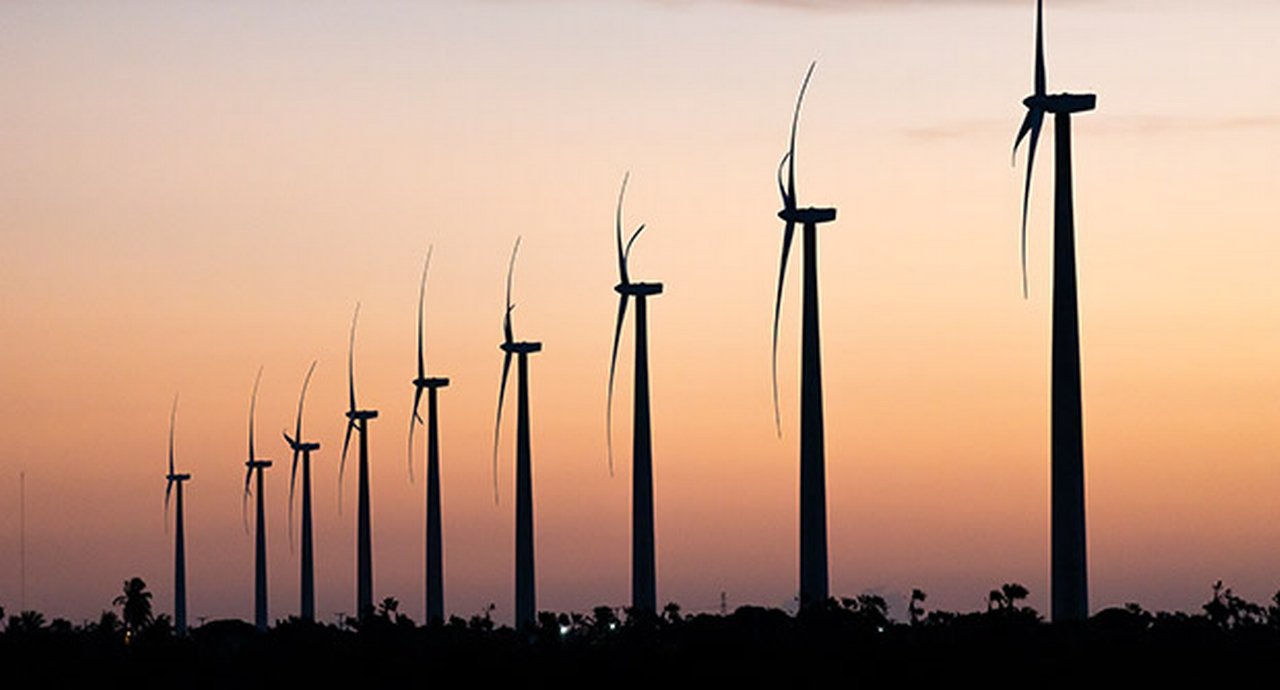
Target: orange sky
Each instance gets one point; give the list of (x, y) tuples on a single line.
[(191, 191)]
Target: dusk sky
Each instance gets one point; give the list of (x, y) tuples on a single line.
[(191, 190)]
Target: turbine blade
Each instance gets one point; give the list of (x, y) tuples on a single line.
[(173, 415), (617, 226), (497, 425), (1041, 88), (244, 500), (795, 123), (302, 398), (613, 364), (414, 419), (507, 331), (342, 464), (351, 360), (422, 297), (1031, 125), (293, 475), (627, 252), (253, 406), (788, 233), (168, 488)]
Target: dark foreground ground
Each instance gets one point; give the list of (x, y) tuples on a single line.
[(849, 643)]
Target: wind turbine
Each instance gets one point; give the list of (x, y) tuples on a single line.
[(179, 537), (358, 420), (1069, 580), (435, 541), (304, 449), (643, 571), (260, 538), (526, 604), (813, 490)]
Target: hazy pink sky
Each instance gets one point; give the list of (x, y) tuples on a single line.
[(190, 190)]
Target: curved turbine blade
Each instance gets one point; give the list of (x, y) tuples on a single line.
[(497, 425), (342, 464), (788, 233), (168, 486), (422, 298), (1030, 125), (244, 499), (507, 331), (1041, 89), (253, 406), (351, 361), (414, 420), (617, 227), (613, 364), (293, 473), (795, 123)]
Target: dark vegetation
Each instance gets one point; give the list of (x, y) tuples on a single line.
[(847, 642)]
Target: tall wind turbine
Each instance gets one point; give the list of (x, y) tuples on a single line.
[(179, 537), (304, 449), (526, 604), (1069, 580), (643, 570), (435, 540), (260, 536), (813, 481), (358, 420)]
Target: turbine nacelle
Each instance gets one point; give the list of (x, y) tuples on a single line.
[(638, 289), (1064, 103), (254, 464), (805, 216), (361, 415), (304, 447), (432, 382), (521, 348), (177, 477)]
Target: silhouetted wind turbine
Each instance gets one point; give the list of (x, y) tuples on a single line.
[(1069, 572), (179, 537), (643, 570), (813, 491), (526, 604), (435, 540), (260, 536), (358, 420), (304, 449)]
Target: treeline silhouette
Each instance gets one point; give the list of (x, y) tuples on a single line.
[(846, 641)]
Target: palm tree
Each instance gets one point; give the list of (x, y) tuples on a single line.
[(136, 601)]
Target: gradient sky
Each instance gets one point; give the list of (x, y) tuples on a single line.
[(189, 190)]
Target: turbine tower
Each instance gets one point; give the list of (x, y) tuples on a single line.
[(304, 450), (260, 535), (526, 603), (1069, 579), (435, 541), (813, 482), (179, 537), (644, 594), (358, 420)]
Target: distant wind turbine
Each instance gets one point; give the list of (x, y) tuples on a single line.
[(643, 570), (813, 491), (435, 541), (304, 449), (358, 420), (260, 538), (526, 604), (179, 537), (1069, 572)]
